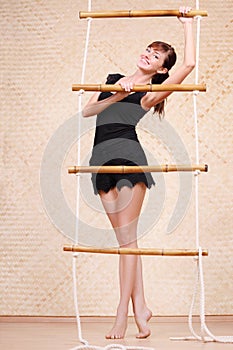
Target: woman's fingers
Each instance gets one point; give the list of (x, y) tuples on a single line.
[(184, 9), (126, 84), (187, 9)]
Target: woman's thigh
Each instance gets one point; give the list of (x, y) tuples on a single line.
[(123, 209)]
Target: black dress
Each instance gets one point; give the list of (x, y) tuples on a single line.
[(116, 141)]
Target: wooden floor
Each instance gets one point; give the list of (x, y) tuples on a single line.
[(61, 334)]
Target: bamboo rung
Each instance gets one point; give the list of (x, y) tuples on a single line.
[(135, 251), (139, 88), (124, 169), (140, 13)]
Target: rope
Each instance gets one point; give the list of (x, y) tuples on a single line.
[(204, 328), (110, 347), (85, 345), (79, 119), (75, 295), (206, 334), (74, 264), (199, 266), (195, 116)]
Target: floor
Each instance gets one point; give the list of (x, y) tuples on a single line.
[(27, 333)]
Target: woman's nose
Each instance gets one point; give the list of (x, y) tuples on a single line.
[(145, 54)]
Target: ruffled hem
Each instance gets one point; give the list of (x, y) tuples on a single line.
[(106, 182)]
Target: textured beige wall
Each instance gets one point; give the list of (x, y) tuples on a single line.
[(41, 56)]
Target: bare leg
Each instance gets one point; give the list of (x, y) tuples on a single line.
[(141, 312), (111, 205), (123, 209)]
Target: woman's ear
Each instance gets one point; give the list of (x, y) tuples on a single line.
[(162, 70)]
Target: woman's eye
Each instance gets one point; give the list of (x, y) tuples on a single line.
[(156, 56)]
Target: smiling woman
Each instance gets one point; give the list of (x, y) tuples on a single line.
[(164, 55), (116, 143)]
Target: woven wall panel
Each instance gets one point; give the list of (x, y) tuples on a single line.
[(41, 56)]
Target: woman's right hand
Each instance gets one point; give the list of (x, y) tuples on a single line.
[(126, 84), (94, 106)]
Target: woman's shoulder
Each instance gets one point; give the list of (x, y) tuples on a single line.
[(113, 78)]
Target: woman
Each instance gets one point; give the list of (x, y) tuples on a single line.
[(116, 143)]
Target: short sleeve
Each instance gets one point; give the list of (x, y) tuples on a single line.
[(113, 78)]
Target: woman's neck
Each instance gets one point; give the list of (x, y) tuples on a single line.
[(140, 77)]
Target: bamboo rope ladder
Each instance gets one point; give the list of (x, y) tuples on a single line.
[(140, 13), (141, 88), (134, 251), (126, 169), (196, 168)]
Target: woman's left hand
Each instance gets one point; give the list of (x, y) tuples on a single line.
[(184, 10)]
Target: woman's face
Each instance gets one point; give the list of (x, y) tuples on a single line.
[(151, 61)]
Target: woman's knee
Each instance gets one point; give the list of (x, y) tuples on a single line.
[(126, 235)]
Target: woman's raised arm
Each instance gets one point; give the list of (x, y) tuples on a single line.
[(153, 98)]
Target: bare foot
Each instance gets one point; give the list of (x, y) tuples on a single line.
[(119, 328), (142, 320)]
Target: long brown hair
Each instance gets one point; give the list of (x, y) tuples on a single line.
[(169, 62)]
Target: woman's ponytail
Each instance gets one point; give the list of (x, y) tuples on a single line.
[(169, 62), (159, 79)]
